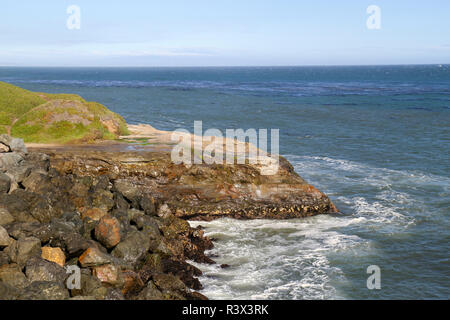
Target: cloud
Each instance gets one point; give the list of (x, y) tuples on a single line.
[(150, 53)]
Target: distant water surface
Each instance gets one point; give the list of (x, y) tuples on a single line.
[(375, 139)]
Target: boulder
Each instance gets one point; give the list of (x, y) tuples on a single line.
[(147, 204), (183, 270), (8, 292), (19, 173), (5, 139), (108, 273), (17, 145), (75, 243), (102, 199), (169, 283), (34, 181), (43, 209), (151, 228), (132, 248), (55, 255), (5, 217), (93, 257), (19, 230), (132, 283), (136, 217), (22, 250), (129, 190), (5, 240), (44, 290), (12, 144), (4, 258), (38, 269), (9, 160), (107, 231), (5, 183), (12, 275), (18, 204), (4, 148), (150, 292), (39, 161)]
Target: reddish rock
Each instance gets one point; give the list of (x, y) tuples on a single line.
[(107, 232), (93, 257), (132, 283), (107, 273)]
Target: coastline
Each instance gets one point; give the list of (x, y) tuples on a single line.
[(118, 211)]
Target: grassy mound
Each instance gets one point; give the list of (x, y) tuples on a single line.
[(55, 118)]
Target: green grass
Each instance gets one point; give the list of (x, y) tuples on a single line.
[(56, 118), (3, 130), (15, 101)]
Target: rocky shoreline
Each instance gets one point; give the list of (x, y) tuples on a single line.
[(126, 246), (118, 213)]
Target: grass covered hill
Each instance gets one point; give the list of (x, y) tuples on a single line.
[(55, 118)]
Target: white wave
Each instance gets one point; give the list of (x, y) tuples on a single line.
[(276, 259), (390, 198), (313, 165)]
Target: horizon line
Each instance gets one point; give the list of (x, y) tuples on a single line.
[(237, 66)]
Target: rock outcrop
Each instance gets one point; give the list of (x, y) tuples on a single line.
[(52, 220), (201, 192)]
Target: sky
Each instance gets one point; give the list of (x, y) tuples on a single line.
[(223, 33)]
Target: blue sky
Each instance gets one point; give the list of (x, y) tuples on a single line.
[(223, 33)]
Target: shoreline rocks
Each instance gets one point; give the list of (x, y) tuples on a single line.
[(51, 221)]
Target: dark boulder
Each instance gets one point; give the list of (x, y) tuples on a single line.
[(5, 183), (12, 275), (5, 217), (8, 292), (150, 292), (22, 250), (45, 290), (38, 269), (133, 248), (5, 240)]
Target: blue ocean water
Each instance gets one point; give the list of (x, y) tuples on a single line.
[(376, 139)]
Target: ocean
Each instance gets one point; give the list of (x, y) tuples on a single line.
[(376, 139)]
